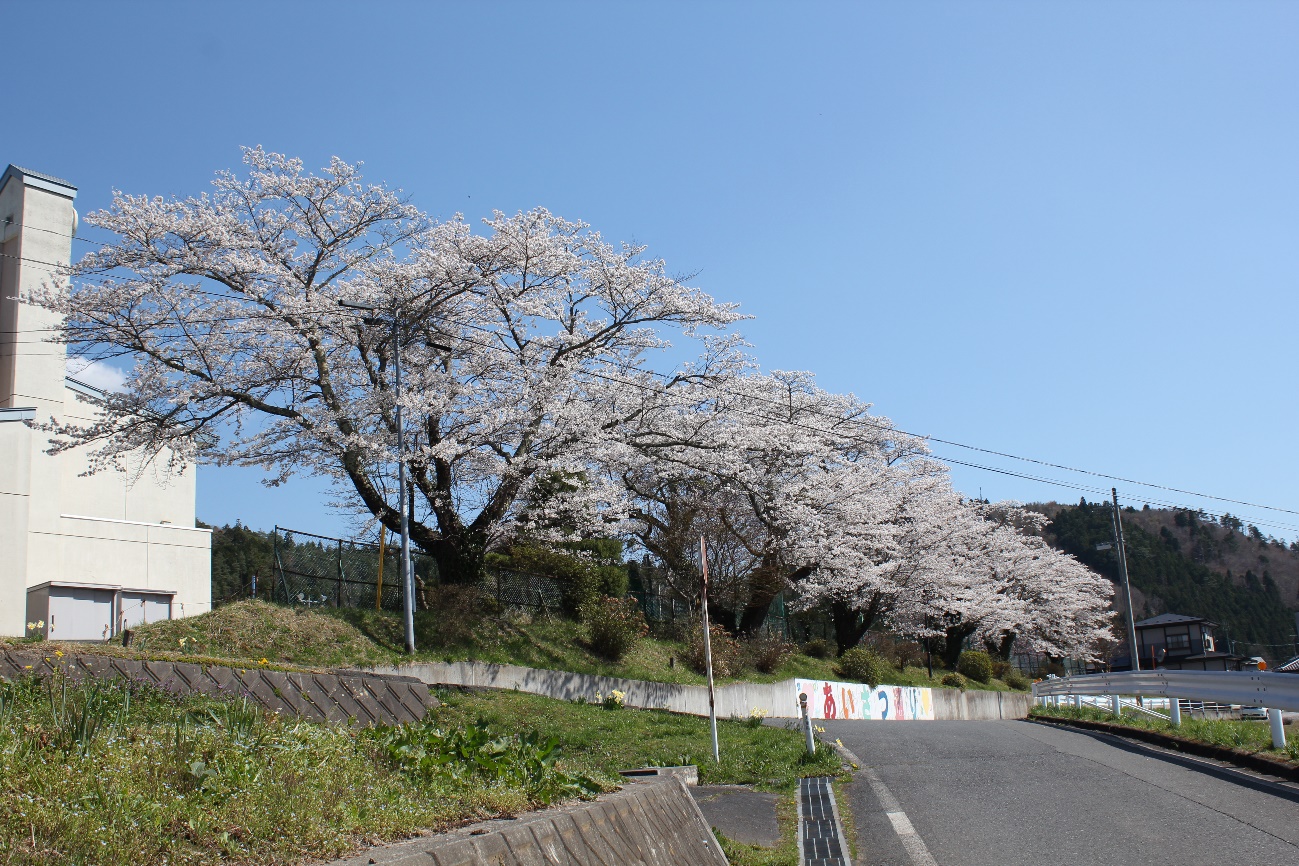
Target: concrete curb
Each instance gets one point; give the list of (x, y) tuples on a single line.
[(649, 823), (1168, 746)]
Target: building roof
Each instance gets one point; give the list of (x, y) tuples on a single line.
[(1290, 667), (40, 180), (1172, 619)]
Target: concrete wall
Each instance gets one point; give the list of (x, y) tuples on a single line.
[(779, 699), (651, 823), (133, 529), (952, 704)]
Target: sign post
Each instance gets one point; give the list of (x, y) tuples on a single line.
[(708, 652)]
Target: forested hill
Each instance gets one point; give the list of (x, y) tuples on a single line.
[(1184, 562)]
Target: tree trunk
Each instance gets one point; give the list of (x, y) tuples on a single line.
[(850, 625), (952, 641)]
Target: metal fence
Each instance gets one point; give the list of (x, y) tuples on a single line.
[(1247, 688), (315, 569)]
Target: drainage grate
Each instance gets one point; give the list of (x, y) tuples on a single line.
[(820, 836)]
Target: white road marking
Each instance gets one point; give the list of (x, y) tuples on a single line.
[(907, 835)]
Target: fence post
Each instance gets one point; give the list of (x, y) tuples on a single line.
[(1278, 728), (1175, 712), (1117, 706), (1077, 702), (338, 593)]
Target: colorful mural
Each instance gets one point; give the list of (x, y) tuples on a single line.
[(829, 700)]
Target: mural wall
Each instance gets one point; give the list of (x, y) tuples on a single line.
[(829, 700)]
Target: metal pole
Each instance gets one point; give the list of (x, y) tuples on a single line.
[(1278, 728), (1175, 712), (708, 653), (407, 579), (378, 589), (1127, 588), (807, 723), (1116, 706)]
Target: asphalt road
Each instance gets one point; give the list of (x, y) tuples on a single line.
[(1004, 793)]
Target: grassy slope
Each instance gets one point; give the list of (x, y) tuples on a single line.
[(1250, 736), (330, 637), (273, 790)]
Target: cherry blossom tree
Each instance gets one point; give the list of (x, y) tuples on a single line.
[(229, 304)]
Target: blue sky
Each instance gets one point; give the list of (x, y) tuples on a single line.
[(1066, 231)]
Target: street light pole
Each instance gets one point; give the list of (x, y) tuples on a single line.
[(407, 578), (407, 574)]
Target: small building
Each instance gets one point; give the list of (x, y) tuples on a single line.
[(83, 555), (1182, 643)]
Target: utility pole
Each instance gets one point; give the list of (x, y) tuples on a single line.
[(1123, 576)]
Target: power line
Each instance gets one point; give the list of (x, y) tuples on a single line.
[(837, 419)]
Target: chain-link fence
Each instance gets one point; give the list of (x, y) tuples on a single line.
[(315, 569)]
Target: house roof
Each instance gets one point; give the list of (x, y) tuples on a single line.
[(40, 180), (1172, 619), (1290, 667)]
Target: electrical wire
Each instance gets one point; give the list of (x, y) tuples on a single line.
[(837, 419)]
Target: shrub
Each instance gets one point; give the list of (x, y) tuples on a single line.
[(976, 665), (1016, 680), (898, 651), (728, 657), (818, 648), (953, 680), (767, 652), (1001, 669), (614, 626), (863, 666)]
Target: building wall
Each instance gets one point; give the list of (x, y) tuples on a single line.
[(134, 528)]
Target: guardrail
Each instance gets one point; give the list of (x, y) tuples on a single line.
[(1274, 691), (1248, 688)]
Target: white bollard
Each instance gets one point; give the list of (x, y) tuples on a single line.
[(1116, 706), (1278, 728), (1175, 712), (1077, 702)]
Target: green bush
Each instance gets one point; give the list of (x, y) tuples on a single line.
[(1016, 680), (728, 656), (1001, 669), (818, 648), (864, 666), (976, 665), (953, 680), (767, 652), (614, 626)]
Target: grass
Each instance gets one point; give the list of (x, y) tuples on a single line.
[(162, 779), (1246, 736), (765, 756), (330, 637)]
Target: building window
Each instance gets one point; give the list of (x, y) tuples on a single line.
[(1178, 642)]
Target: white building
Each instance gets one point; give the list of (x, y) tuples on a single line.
[(87, 555)]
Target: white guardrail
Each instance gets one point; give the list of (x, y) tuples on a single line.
[(1247, 688)]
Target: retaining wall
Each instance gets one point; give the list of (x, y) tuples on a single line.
[(778, 699), (353, 697), (651, 823)]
